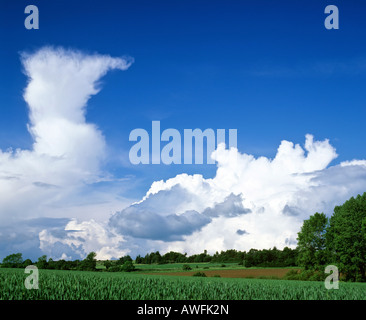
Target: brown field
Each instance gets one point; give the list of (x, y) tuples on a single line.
[(234, 273)]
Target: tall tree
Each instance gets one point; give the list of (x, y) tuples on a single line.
[(14, 260), (311, 243), (42, 262), (346, 238), (89, 263)]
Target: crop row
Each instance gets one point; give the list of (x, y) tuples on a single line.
[(74, 285)]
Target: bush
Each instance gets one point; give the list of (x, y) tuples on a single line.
[(200, 274), (186, 267), (305, 275), (128, 267), (114, 269), (317, 276), (122, 260), (292, 275)]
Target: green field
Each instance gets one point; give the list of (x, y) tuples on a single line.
[(83, 285)]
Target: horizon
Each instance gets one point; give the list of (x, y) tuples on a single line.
[(148, 253)]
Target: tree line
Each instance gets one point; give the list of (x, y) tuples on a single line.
[(339, 240), (253, 258), (15, 260)]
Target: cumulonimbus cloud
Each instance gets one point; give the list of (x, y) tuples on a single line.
[(60, 84), (67, 151), (252, 202)]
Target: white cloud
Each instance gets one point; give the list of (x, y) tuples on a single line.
[(60, 84), (67, 151), (276, 196), (77, 239), (353, 163), (51, 178), (250, 203)]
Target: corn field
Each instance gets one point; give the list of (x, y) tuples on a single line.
[(83, 285)]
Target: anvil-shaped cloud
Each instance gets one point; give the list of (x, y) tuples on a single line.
[(67, 152)]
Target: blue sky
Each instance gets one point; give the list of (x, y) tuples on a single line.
[(269, 69)]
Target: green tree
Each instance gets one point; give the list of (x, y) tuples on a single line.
[(89, 263), (42, 262), (155, 257), (311, 244), (139, 259), (128, 266), (107, 264), (14, 260), (26, 263), (346, 238), (123, 259)]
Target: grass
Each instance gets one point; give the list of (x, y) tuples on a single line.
[(83, 285)]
